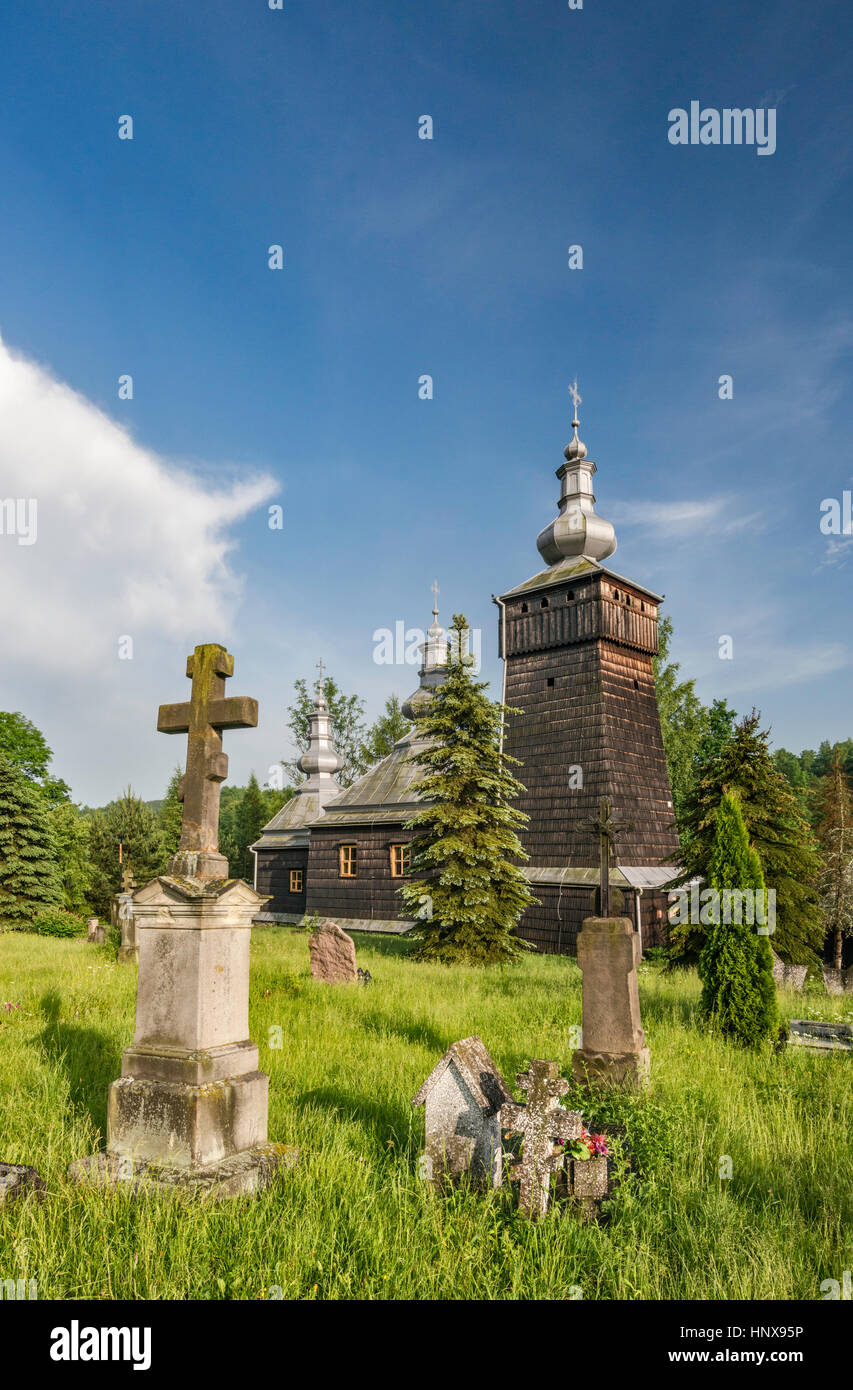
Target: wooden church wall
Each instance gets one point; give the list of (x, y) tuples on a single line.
[(373, 894)]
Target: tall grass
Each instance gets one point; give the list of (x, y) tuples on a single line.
[(353, 1220)]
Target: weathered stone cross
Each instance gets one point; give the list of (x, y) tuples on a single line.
[(203, 718), (606, 830), (541, 1121)]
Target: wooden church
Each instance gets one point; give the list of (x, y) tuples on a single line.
[(577, 641)]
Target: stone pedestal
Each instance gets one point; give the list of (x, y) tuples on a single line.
[(614, 1048), (190, 1107)]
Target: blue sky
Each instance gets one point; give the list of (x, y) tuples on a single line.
[(403, 257)]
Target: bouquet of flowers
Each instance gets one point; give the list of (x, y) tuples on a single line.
[(587, 1146)]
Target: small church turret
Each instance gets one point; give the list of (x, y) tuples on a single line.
[(578, 642), (281, 852)]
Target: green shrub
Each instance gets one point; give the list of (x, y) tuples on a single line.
[(55, 921)]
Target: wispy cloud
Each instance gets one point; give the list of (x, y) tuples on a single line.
[(127, 541)]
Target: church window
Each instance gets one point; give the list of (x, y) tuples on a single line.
[(616, 594), (401, 860), (296, 880), (524, 608), (348, 861), (570, 595), (543, 603), (550, 680)]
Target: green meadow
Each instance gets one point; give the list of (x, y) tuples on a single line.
[(353, 1220)]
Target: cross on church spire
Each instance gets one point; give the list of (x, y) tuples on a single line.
[(203, 719), (577, 399), (321, 668), (435, 593)]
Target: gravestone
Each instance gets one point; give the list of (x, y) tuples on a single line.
[(17, 1180), (838, 981), (788, 976), (122, 917), (541, 1122), (820, 1037), (95, 931), (614, 1050), (332, 954), (190, 1108), (463, 1095)]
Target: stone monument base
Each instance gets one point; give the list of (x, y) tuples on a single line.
[(612, 1068), (238, 1175)]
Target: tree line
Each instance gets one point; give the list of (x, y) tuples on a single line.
[(58, 855)]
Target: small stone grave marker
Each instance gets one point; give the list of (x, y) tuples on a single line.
[(540, 1123), (17, 1180), (463, 1095), (332, 955)]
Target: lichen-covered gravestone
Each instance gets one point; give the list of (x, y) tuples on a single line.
[(541, 1122), (614, 1050), (463, 1095), (332, 955)]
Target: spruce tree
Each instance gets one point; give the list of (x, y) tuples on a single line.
[(250, 818), (29, 877), (777, 831), (835, 836), (130, 821), (467, 851), (736, 964), (169, 818)]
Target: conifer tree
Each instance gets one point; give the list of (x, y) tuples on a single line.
[(169, 819), (783, 840), (467, 850), (835, 837), (127, 820), (250, 818), (736, 964), (29, 878)]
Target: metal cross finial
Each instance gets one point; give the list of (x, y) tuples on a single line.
[(577, 398), (435, 593), (321, 668), (606, 829)]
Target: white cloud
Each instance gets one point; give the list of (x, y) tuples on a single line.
[(127, 541), (678, 517)]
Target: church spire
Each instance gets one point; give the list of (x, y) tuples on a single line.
[(578, 532), (321, 760), (433, 661)]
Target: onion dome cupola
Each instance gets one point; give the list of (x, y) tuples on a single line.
[(578, 532), (321, 760), (433, 662)]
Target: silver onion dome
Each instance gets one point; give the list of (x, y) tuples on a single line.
[(578, 532)]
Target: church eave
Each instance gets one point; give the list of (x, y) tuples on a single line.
[(576, 569)]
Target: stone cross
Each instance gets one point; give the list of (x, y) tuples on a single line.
[(541, 1121), (128, 882), (203, 718), (606, 830)]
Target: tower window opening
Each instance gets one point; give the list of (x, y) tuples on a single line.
[(636, 684), (550, 680), (570, 595), (524, 608), (543, 603)]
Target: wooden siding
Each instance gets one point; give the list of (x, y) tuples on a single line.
[(373, 894), (599, 716), (274, 867)]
